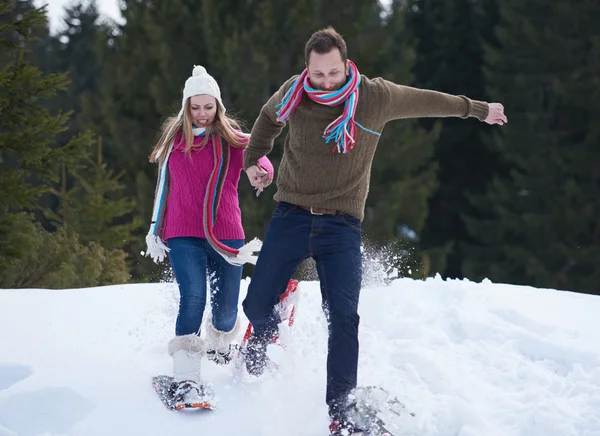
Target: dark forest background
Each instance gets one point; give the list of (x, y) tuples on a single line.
[(81, 109)]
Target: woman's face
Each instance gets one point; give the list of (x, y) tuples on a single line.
[(203, 109)]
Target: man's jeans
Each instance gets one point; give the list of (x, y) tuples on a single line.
[(193, 261), (333, 241)]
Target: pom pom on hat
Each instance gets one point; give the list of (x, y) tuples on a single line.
[(199, 70), (200, 82)]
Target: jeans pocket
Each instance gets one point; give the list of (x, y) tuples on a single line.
[(283, 209), (352, 221)]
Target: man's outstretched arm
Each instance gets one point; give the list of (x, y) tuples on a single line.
[(407, 102)]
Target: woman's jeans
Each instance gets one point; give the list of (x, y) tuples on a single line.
[(195, 262)]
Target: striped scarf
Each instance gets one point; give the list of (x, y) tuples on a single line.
[(343, 129), (157, 249)]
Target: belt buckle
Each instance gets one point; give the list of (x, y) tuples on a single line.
[(314, 213)]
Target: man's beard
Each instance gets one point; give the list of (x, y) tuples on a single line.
[(334, 88)]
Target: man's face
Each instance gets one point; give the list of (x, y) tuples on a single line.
[(327, 72)]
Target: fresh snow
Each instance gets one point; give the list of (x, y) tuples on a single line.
[(469, 359)]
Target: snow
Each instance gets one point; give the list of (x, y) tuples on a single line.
[(469, 359)]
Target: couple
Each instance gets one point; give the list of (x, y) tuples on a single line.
[(335, 117)]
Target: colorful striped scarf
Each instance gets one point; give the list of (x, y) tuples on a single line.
[(222, 156), (343, 129), (157, 249)]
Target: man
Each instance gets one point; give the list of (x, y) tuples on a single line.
[(335, 117)]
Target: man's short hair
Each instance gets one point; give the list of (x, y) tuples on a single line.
[(325, 40)]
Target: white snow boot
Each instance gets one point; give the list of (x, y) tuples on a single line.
[(219, 347), (187, 352)]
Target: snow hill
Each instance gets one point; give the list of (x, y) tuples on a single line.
[(469, 359)]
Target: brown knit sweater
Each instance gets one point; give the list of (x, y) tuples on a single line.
[(311, 174)]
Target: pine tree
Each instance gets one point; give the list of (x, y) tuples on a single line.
[(542, 219), (403, 174), (449, 58), (29, 159), (95, 208), (55, 260), (74, 49)]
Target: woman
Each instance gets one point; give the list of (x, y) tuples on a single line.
[(197, 215)]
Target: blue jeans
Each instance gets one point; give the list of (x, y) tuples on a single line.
[(333, 241), (193, 261)]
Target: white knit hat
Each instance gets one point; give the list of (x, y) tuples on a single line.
[(201, 82)]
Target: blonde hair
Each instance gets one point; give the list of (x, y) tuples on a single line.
[(228, 128)]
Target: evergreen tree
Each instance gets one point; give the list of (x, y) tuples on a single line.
[(29, 159), (542, 219), (29, 162), (55, 260), (95, 207), (74, 49), (449, 58), (403, 174)]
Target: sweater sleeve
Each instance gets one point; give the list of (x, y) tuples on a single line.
[(266, 165), (400, 101), (266, 127)]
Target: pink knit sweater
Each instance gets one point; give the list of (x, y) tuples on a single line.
[(188, 178)]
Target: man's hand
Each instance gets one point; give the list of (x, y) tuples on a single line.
[(496, 114), (258, 177)]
